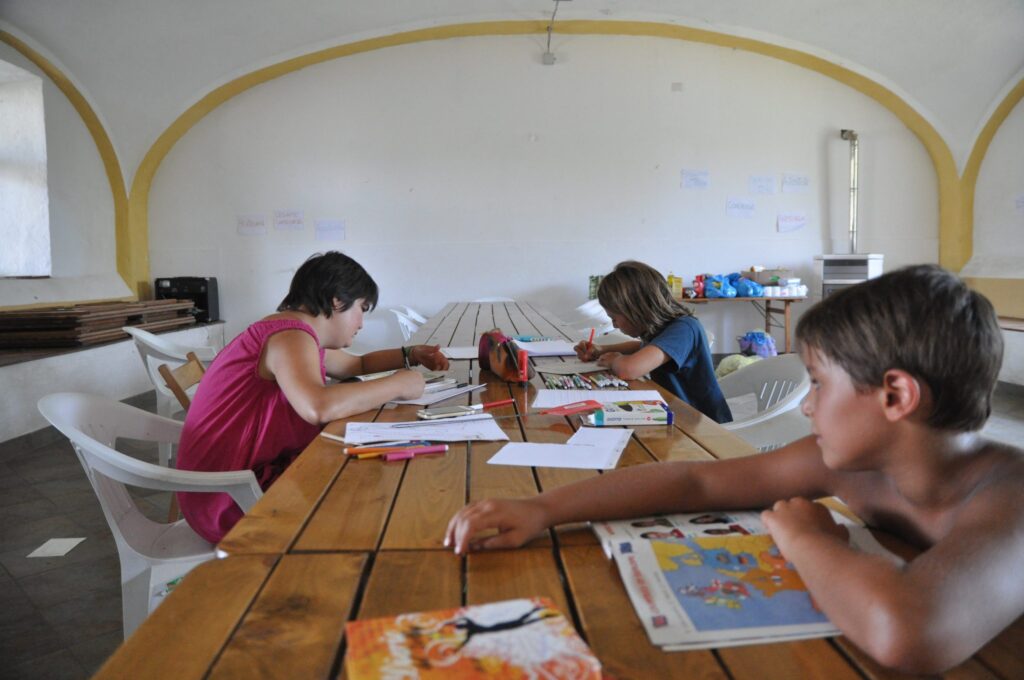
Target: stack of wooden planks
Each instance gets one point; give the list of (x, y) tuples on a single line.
[(89, 324)]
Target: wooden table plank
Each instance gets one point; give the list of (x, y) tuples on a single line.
[(403, 581), (184, 635), (425, 333), (1005, 654), (611, 627), (511, 574), (297, 622), (433, 489)]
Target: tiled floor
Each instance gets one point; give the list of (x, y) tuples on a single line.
[(61, 617)]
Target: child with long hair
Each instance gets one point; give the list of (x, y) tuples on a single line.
[(672, 345)]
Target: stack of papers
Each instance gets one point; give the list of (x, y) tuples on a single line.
[(548, 348), (471, 428), (588, 449), (436, 397), (455, 353)]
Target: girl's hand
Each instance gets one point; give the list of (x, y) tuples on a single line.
[(429, 356), (608, 358), (796, 517), (516, 521), (410, 384), (586, 351)]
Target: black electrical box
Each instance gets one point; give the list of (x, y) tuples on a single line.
[(201, 290)]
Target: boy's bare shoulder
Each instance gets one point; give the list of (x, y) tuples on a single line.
[(1007, 464)]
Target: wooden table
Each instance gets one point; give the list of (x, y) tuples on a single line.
[(765, 305), (338, 539)]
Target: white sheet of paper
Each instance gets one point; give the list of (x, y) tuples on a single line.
[(793, 183), (743, 406), (329, 230), (695, 179), (548, 348), (471, 428), (761, 184), (289, 220), (443, 395), (612, 440), (456, 353), (253, 224), (791, 221), (552, 398), (56, 547), (589, 449), (736, 206), (569, 367)]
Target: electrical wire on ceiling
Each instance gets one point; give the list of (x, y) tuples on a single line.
[(548, 58)]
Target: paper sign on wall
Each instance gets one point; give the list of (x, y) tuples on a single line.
[(761, 184), (740, 207), (696, 179), (1020, 204), (795, 184), (791, 221), (330, 230), (253, 224), (289, 220)]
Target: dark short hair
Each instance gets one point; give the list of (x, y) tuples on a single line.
[(324, 277), (923, 320), (640, 293)]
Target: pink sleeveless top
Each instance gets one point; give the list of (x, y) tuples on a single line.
[(239, 421)]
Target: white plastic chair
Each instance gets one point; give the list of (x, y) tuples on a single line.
[(151, 554), (776, 432), (155, 351), (777, 385), (405, 324), (413, 314)]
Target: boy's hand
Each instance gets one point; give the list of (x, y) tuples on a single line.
[(586, 351), (608, 358), (516, 521), (799, 516), (429, 356), (410, 384)]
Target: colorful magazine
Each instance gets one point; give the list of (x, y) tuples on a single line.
[(715, 579), (515, 639)]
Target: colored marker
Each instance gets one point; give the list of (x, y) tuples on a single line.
[(590, 342), (409, 453), (524, 366)]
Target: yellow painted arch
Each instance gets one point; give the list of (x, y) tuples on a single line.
[(127, 262)]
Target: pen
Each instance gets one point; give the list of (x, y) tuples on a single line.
[(408, 452)]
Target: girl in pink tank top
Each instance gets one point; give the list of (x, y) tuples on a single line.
[(264, 398)]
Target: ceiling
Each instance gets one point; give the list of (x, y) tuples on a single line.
[(142, 62)]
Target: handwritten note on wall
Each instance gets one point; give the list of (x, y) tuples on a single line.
[(253, 224), (330, 230), (740, 207), (289, 220), (791, 221), (696, 179), (793, 183)]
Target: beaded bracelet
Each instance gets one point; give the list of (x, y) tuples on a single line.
[(406, 351)]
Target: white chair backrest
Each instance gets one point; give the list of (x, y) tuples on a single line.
[(405, 324), (413, 314), (777, 383), (156, 350)]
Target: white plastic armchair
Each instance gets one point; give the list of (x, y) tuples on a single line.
[(777, 384), (413, 314), (155, 351), (405, 324), (152, 554)]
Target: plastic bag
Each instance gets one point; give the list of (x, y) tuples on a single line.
[(748, 288), (718, 287), (757, 342)]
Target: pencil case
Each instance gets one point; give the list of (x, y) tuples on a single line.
[(497, 353)]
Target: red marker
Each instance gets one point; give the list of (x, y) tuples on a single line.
[(524, 366), (494, 404), (590, 342)]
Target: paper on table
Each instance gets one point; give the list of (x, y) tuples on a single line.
[(56, 547), (552, 398), (474, 427), (443, 395), (460, 352), (588, 449), (570, 367), (548, 348)]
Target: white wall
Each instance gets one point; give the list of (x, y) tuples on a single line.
[(23, 385), (998, 220), (465, 168), (81, 209)]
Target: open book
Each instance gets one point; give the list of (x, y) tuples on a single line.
[(715, 579), (525, 638)]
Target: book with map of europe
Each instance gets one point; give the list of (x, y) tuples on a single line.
[(716, 579)]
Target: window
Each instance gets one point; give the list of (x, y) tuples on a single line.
[(24, 201)]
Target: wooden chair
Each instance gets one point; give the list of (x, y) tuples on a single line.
[(179, 380)]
